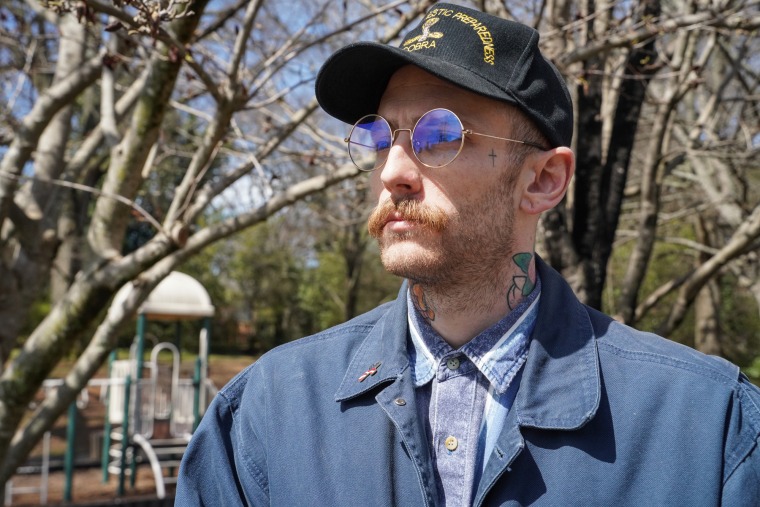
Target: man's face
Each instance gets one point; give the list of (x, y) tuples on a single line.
[(454, 223)]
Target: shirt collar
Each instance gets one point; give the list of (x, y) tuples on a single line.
[(561, 381), (498, 352)]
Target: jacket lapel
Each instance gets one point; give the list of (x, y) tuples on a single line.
[(386, 345)]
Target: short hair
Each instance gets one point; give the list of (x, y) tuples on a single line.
[(523, 128)]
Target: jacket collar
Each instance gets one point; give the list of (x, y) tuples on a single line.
[(560, 386), (385, 344)]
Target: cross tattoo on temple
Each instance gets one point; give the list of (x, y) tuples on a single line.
[(493, 157)]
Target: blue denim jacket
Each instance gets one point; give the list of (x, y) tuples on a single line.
[(605, 415)]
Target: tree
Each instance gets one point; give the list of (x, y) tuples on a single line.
[(297, 274), (101, 93), (340, 216), (666, 124)]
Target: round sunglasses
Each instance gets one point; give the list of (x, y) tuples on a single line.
[(437, 139)]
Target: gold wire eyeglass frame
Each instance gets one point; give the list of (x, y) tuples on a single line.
[(465, 132)]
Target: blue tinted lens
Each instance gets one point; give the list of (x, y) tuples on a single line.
[(437, 137), (369, 142)]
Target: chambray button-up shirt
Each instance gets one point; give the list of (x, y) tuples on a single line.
[(464, 394)]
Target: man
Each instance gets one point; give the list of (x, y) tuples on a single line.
[(486, 382)]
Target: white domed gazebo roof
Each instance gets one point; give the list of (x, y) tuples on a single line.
[(177, 297)]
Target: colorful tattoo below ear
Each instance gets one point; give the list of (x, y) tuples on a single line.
[(522, 284), (420, 301)]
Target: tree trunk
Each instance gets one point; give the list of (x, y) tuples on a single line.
[(707, 328), (353, 255), (587, 211), (707, 333), (34, 240), (603, 156)]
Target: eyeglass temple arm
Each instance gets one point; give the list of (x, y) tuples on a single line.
[(464, 131), (527, 143), (348, 140)]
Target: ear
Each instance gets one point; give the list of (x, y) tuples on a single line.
[(549, 175)]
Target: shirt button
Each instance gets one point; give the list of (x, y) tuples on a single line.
[(451, 443), (400, 402), (452, 363)]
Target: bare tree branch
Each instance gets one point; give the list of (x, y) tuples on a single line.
[(728, 20), (241, 42), (95, 138), (92, 190), (736, 246), (25, 141)]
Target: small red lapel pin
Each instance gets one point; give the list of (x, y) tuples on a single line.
[(372, 370)]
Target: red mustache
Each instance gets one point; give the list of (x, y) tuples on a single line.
[(409, 210)]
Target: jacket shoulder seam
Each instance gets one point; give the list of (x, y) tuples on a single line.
[(357, 331), (739, 455), (256, 472), (231, 392), (652, 357), (327, 334)]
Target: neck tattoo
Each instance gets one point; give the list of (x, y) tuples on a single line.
[(522, 283), (420, 301)]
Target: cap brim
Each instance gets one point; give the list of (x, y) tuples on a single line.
[(352, 81)]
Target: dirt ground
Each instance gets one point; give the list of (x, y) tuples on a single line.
[(87, 485)]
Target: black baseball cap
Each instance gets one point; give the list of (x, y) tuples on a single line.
[(479, 52)]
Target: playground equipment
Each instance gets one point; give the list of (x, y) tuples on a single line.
[(151, 409), (137, 402)]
